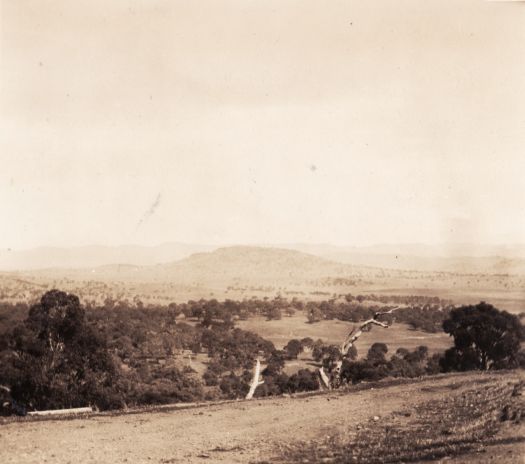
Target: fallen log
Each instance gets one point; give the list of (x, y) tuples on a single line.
[(57, 412)]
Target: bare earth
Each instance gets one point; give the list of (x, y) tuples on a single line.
[(238, 432)]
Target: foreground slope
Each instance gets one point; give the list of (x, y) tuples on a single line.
[(270, 429)]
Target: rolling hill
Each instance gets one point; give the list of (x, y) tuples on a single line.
[(256, 265), (459, 258)]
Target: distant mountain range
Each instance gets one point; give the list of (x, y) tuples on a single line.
[(96, 255), (194, 262), (459, 258)]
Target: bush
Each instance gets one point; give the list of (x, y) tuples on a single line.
[(304, 380)]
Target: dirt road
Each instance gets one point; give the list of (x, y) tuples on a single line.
[(230, 433)]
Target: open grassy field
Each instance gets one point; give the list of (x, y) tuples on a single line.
[(280, 332), (334, 332), (508, 299)]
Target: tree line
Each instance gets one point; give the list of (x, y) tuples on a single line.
[(58, 353)]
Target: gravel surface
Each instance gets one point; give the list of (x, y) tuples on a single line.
[(239, 432)]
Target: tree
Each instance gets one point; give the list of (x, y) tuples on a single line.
[(484, 338), (175, 309), (233, 386), (330, 355), (289, 310), (347, 350), (307, 344), (293, 348), (376, 353), (275, 364), (273, 313), (304, 380), (314, 313), (58, 360)]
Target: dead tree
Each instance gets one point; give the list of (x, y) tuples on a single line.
[(333, 380), (255, 380)]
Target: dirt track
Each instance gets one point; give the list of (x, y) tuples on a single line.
[(228, 433)]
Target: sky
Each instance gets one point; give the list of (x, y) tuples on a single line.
[(247, 121)]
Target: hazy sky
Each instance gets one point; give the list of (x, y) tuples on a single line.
[(350, 122)]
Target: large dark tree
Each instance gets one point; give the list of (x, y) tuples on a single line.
[(293, 349), (484, 338), (377, 352), (57, 360), (304, 380)]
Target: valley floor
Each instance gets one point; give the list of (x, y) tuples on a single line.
[(256, 431)]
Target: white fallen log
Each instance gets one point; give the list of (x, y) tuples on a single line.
[(57, 412)]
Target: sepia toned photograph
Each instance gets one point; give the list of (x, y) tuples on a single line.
[(262, 231)]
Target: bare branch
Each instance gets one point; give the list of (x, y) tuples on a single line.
[(390, 311), (379, 323), (351, 338), (357, 332)]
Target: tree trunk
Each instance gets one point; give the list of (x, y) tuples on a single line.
[(333, 380), (255, 380)]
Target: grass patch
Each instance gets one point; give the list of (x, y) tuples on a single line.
[(280, 332)]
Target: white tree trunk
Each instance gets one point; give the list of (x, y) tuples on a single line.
[(333, 380), (255, 380), (324, 380)]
